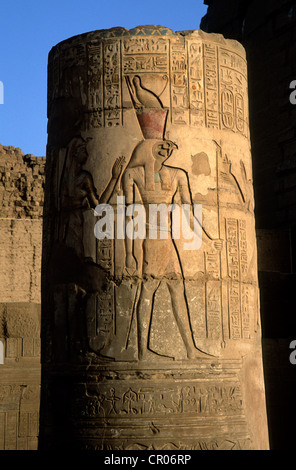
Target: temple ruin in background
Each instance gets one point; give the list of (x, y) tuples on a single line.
[(21, 209)]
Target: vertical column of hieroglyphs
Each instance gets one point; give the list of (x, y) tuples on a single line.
[(234, 274), (179, 83), (196, 83), (239, 290), (233, 84), (210, 51), (95, 85), (112, 83)]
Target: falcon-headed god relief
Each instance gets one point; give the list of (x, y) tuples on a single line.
[(157, 183)]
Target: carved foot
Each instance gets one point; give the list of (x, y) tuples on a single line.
[(150, 356), (197, 354)]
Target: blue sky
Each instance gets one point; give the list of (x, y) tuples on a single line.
[(30, 28)]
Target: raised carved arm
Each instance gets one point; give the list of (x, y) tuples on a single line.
[(116, 171)]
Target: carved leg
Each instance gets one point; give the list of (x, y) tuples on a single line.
[(180, 310), (144, 312)]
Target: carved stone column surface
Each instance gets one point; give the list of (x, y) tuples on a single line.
[(151, 339)]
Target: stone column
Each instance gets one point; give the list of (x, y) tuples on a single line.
[(150, 341)]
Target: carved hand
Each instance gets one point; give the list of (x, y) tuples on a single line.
[(117, 167)]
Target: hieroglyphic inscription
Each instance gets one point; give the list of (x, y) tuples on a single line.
[(239, 291), (19, 417), (234, 310), (231, 443), (233, 272), (232, 249), (105, 314), (201, 399), (227, 108), (196, 87), (22, 347), (213, 296), (74, 56), (67, 73), (245, 306), (105, 301), (179, 84), (211, 85), (213, 309), (145, 45), (194, 78), (142, 55), (207, 80), (219, 83), (112, 84), (105, 252), (212, 261), (243, 257), (233, 81), (239, 113), (245, 288), (95, 86)]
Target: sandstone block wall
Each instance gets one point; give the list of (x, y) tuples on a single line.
[(20, 255), (21, 207)]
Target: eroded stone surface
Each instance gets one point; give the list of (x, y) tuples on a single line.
[(149, 344), (21, 207), (21, 184), (21, 211)]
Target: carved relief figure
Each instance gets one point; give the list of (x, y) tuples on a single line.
[(238, 182), (75, 226), (157, 183), (78, 193)]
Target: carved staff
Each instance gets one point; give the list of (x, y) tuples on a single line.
[(218, 156)]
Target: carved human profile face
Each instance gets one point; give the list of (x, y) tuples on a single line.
[(81, 154)]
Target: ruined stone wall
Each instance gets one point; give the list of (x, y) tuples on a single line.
[(21, 207), (267, 29)]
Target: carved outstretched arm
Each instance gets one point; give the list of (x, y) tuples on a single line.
[(185, 194), (116, 170)]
